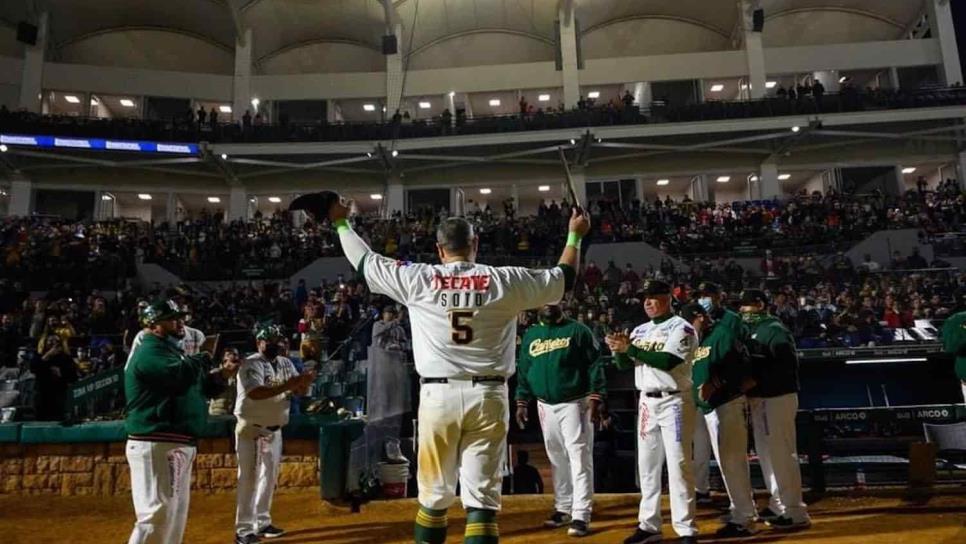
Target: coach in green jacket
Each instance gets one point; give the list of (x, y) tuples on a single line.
[(954, 343), (166, 393), (560, 365)]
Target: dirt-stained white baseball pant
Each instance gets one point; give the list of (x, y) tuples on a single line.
[(665, 430), (568, 435), (259, 458), (728, 431), (701, 462), (161, 489), (462, 438), (773, 422)]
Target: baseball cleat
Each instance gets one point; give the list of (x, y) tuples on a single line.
[(247, 539), (578, 528), (557, 519), (641, 536), (767, 514), (733, 530), (271, 531), (785, 523)]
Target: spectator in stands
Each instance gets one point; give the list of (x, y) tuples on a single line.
[(868, 265), (818, 91), (224, 403), (202, 114), (213, 118), (54, 370), (526, 478), (627, 99), (10, 341), (247, 121), (916, 261)]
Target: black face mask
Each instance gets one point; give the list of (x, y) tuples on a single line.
[(271, 352), (550, 314)]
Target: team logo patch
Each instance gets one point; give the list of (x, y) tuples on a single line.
[(540, 347), (688, 329)]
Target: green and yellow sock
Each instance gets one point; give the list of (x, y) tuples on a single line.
[(481, 527), (430, 526)]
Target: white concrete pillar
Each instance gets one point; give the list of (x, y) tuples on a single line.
[(394, 76), (566, 16), (395, 199), (238, 204), (171, 209), (699, 90), (944, 32), (894, 78), (515, 195), (639, 186), (241, 93), (769, 187), (899, 182), (32, 76), (699, 190), (21, 198), (961, 169), (829, 79), (754, 51), (449, 103), (330, 111)]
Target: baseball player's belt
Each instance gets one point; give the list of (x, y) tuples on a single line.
[(474, 379), (659, 394), (272, 428)]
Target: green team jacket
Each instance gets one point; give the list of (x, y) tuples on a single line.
[(559, 363), (723, 354), (954, 341), (774, 359), (166, 392)]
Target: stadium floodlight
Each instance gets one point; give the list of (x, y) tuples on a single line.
[(395, 152), (144, 196), (494, 102), (425, 105), (224, 109), (255, 103), (375, 196), (224, 156), (72, 99), (543, 188), (485, 191), (3, 148), (717, 87), (544, 98), (796, 128), (369, 107), (663, 182), (214, 199), (908, 170), (754, 178), (723, 179), (127, 102), (274, 199), (593, 94), (771, 84), (784, 177), (107, 197)]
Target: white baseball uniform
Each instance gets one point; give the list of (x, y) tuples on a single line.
[(773, 423), (727, 428), (258, 437), (666, 424), (568, 435), (464, 329), (160, 497), (701, 456)]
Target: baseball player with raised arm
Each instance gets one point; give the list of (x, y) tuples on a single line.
[(774, 403), (660, 353), (721, 373), (266, 383), (560, 365), (464, 329)]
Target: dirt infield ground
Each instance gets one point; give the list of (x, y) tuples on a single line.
[(839, 520)]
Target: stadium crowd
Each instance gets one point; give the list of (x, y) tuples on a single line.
[(617, 110)]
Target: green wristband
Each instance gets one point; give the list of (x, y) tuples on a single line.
[(342, 225), (573, 240)]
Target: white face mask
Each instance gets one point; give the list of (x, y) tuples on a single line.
[(707, 303)]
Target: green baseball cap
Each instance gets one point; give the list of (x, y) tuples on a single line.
[(159, 311), (268, 331)]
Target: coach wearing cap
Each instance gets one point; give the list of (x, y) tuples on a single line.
[(660, 353), (773, 402), (167, 410)]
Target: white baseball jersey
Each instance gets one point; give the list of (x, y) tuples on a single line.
[(463, 314), (675, 336), (257, 371)]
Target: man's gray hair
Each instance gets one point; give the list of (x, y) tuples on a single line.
[(455, 235)]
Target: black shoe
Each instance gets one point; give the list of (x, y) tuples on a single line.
[(247, 539), (557, 519), (733, 530), (785, 523), (767, 514), (703, 499), (688, 540), (578, 528), (641, 536), (271, 531)]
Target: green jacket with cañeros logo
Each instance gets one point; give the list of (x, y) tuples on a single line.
[(559, 363), (954, 341)]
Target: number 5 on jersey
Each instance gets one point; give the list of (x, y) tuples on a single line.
[(462, 331)]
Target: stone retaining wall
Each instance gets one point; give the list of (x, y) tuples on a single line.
[(101, 469)]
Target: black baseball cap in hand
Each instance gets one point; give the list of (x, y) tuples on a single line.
[(654, 288), (751, 297)]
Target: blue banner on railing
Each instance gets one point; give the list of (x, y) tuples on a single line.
[(101, 144)]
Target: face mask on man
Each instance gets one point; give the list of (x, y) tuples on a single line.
[(752, 318), (707, 303)]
